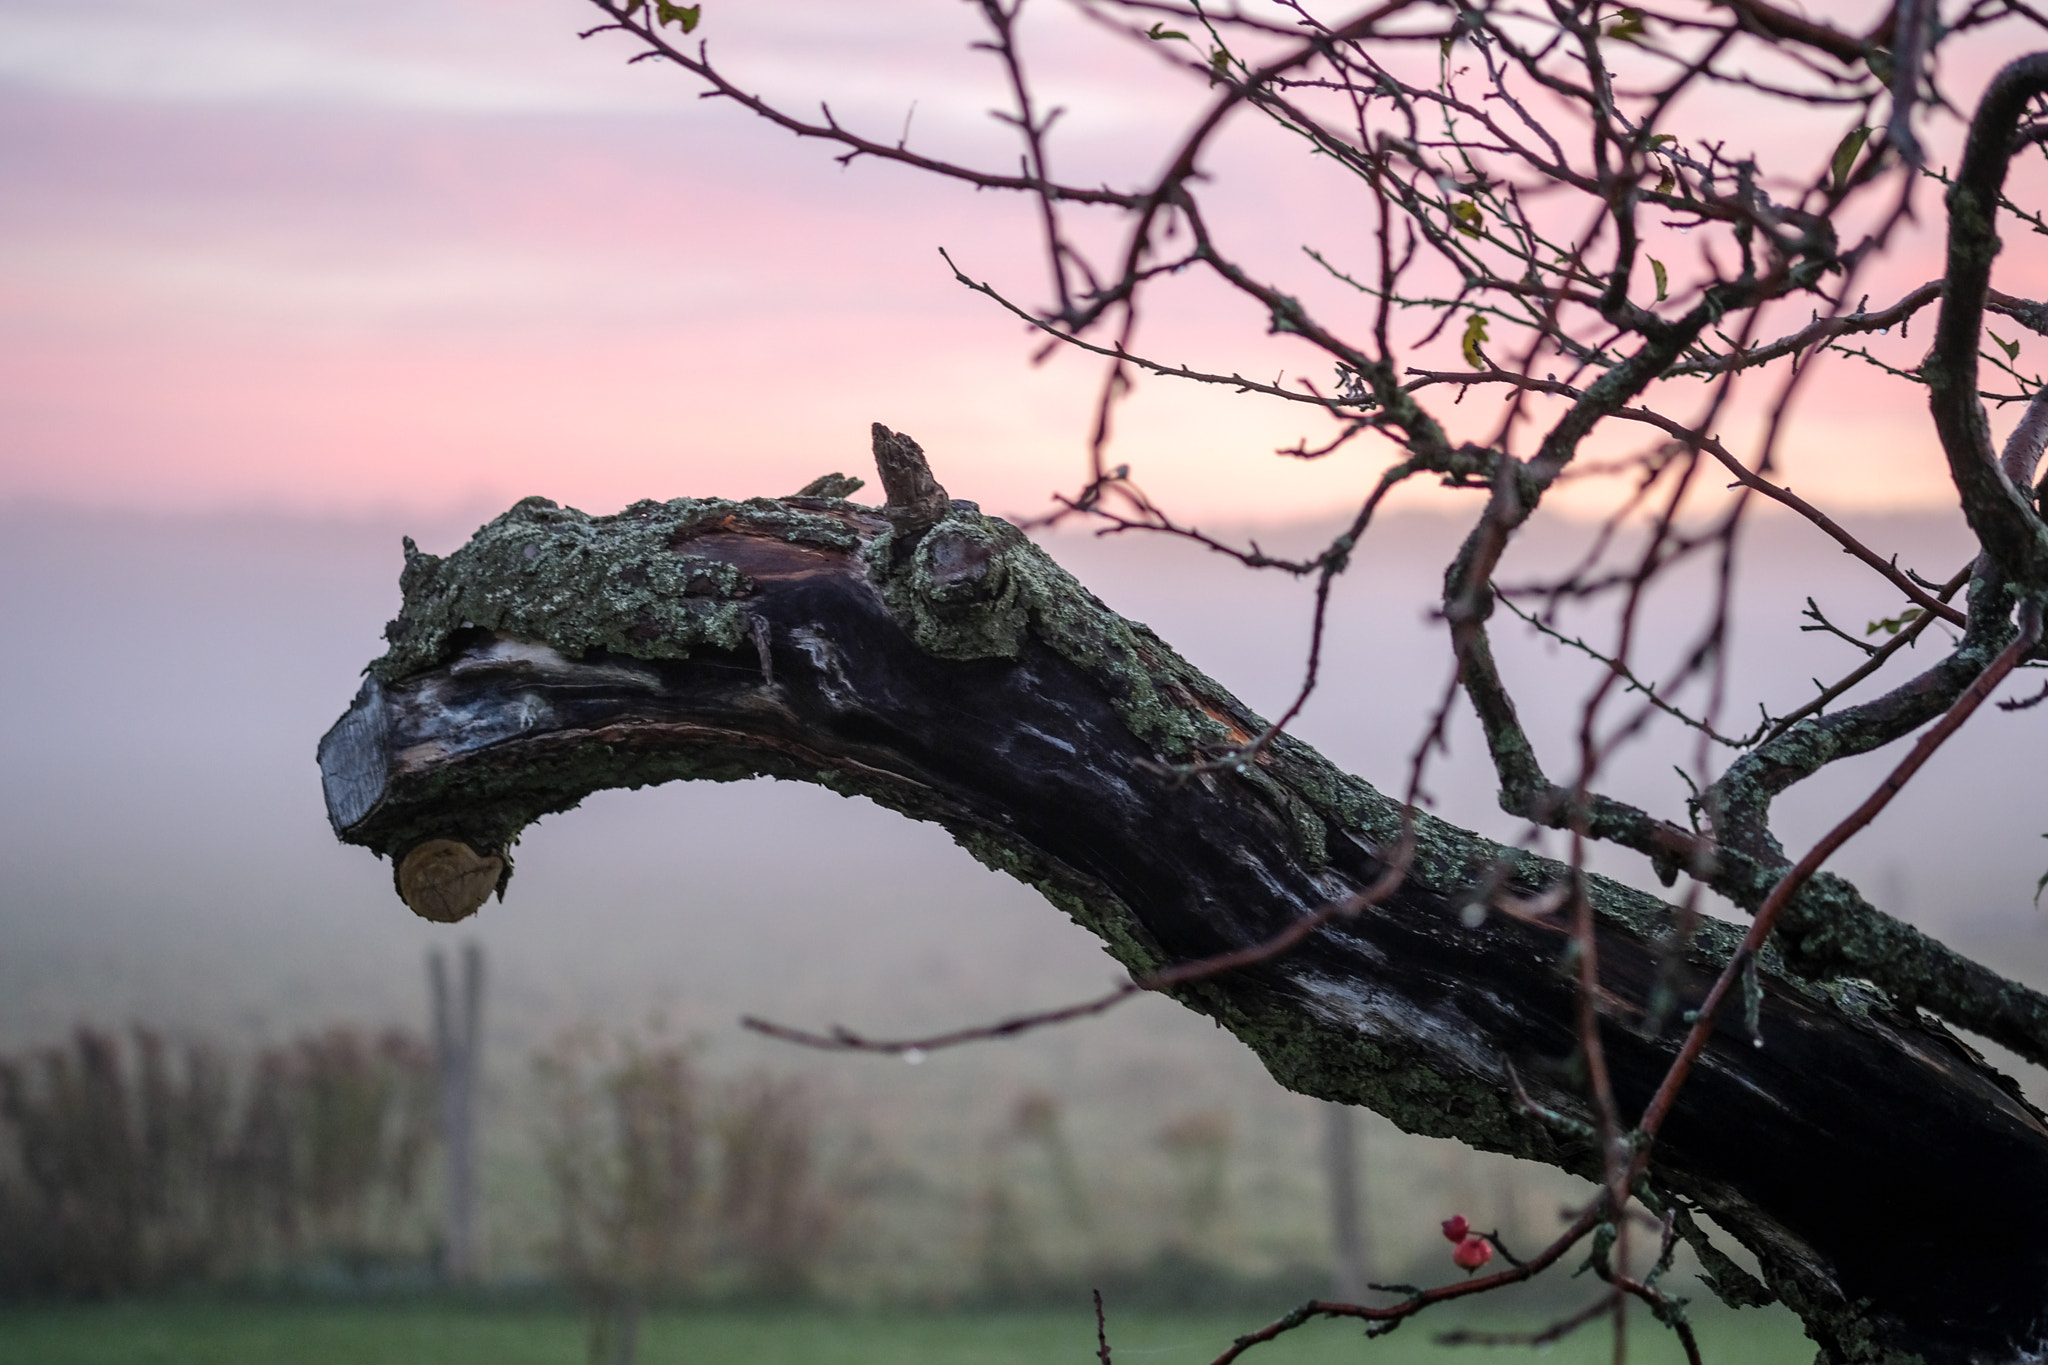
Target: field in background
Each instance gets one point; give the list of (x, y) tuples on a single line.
[(166, 860), (242, 1334)]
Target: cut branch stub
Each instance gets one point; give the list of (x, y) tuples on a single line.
[(915, 497), (978, 686), (446, 880)]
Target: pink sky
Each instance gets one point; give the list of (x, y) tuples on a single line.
[(440, 253)]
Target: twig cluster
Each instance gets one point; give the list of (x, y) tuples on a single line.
[(1515, 166)]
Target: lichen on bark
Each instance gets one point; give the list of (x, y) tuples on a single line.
[(1413, 1008), (972, 586), (625, 583)]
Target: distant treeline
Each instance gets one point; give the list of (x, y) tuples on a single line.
[(134, 1161), (137, 1162), (670, 1184)]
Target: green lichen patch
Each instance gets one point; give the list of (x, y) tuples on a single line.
[(972, 587), (952, 586), (557, 576)]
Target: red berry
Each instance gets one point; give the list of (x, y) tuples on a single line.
[(1456, 1229), (1472, 1253)]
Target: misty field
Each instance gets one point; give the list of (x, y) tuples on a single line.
[(233, 920), (206, 1333)]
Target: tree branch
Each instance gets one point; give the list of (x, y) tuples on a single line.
[(2003, 517), (954, 673)]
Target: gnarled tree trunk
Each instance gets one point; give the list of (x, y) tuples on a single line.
[(1891, 1185)]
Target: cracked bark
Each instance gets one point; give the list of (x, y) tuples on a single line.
[(1887, 1180)]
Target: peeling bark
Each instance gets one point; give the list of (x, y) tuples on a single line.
[(1890, 1184)]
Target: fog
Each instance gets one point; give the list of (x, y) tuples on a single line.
[(164, 855), (163, 849)]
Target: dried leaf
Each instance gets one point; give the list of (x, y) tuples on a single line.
[(1846, 153), (1475, 332), (684, 17), (1629, 27)]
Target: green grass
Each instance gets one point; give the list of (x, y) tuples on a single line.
[(240, 1333)]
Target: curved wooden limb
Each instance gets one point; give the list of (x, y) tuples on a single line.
[(1889, 1183), (2003, 515)]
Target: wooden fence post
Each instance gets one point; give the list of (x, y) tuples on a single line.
[(458, 1056)]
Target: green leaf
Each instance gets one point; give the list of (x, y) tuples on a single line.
[(1629, 28), (1159, 33), (1467, 216), (682, 16), (1663, 280), (1444, 48), (1659, 139), (1846, 152), (2011, 348), (1665, 182), (1475, 332), (1219, 65), (1892, 625)]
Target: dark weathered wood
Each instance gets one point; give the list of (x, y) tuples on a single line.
[(1890, 1184)]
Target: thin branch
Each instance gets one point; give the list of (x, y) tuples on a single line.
[(1418, 1300), (839, 1039), (1965, 706), (1630, 680), (648, 31)]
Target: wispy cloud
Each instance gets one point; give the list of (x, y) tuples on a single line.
[(432, 246), (186, 54)]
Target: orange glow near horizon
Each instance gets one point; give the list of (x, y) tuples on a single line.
[(544, 274)]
